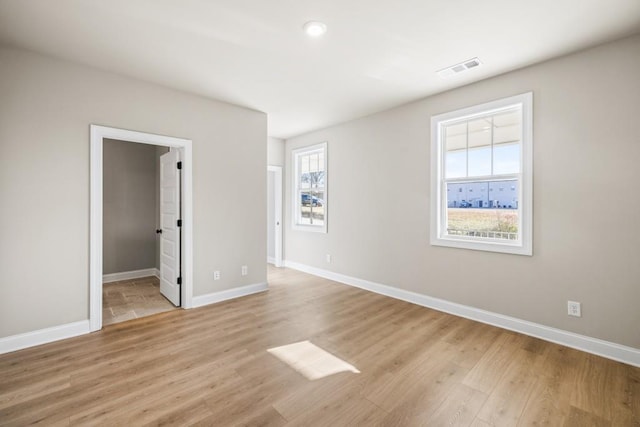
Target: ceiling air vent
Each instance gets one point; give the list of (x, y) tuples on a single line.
[(459, 68)]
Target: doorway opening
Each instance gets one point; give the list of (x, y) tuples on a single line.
[(140, 238), (174, 264), (274, 215)]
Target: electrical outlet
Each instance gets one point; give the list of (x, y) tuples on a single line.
[(329, 258), (574, 309), (245, 270), (216, 275)]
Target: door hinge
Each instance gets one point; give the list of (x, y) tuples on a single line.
[(179, 223), (179, 165), (179, 280)]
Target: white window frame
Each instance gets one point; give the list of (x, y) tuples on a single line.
[(296, 204), (523, 246)]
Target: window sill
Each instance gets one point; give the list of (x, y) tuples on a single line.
[(488, 246), (310, 228)]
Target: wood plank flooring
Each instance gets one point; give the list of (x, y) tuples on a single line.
[(210, 366)]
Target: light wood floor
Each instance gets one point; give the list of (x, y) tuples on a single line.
[(210, 366), (132, 299)]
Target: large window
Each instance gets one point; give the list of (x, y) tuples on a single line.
[(481, 194), (310, 188)]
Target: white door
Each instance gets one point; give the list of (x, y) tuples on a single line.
[(170, 234), (274, 215)]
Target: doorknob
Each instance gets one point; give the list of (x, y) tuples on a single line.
[(158, 231)]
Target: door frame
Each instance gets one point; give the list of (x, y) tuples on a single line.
[(98, 133), (277, 194)]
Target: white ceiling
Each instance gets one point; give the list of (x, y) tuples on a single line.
[(376, 54)]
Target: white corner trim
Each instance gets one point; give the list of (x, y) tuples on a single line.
[(214, 297), (43, 336), (127, 275), (595, 346)]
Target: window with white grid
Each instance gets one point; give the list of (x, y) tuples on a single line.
[(482, 177), (310, 188)]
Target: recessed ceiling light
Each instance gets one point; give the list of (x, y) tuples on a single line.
[(315, 28)]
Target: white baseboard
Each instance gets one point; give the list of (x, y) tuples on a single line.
[(56, 333), (596, 346), (271, 260), (127, 275), (43, 336), (214, 297)]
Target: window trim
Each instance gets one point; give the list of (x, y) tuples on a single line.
[(296, 204), (525, 245)]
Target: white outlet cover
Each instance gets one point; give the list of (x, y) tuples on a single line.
[(574, 309), (216, 275)]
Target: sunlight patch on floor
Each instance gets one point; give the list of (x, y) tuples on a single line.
[(310, 360)]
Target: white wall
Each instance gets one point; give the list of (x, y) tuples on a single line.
[(586, 141), (130, 206), (46, 108), (275, 151)]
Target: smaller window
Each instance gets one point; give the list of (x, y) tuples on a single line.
[(310, 188)]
